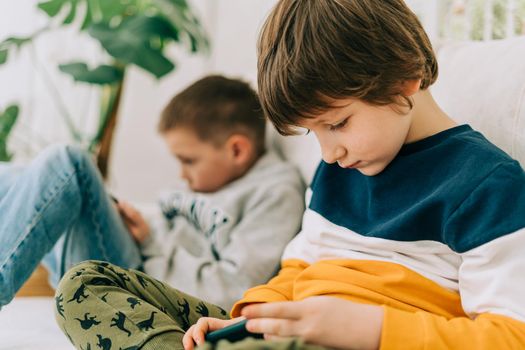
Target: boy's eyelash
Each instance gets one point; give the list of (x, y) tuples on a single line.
[(186, 160), (338, 126)]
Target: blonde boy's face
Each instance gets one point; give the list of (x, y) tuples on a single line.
[(205, 166), (358, 135)]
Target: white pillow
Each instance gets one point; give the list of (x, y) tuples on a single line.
[(483, 84)]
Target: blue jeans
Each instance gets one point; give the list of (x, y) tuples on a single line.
[(56, 211)]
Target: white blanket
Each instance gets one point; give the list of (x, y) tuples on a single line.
[(29, 324)]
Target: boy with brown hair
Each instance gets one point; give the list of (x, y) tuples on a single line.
[(222, 235), (244, 205), (414, 230)]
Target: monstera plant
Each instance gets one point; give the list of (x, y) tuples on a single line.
[(7, 121), (131, 32)]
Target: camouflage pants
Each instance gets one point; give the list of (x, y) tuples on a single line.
[(102, 306)]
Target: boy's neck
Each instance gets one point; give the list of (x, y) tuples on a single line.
[(248, 165), (427, 118)]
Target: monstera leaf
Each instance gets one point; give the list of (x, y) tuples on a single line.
[(103, 74), (96, 10), (7, 121), (138, 40), (133, 31), (11, 44)]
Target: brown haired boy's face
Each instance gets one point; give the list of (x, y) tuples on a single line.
[(359, 135), (205, 166)]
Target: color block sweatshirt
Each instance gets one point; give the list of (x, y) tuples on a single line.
[(437, 239)]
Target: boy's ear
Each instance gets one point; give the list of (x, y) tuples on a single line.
[(240, 148), (410, 87)]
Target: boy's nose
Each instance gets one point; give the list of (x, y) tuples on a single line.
[(332, 154), (183, 174)]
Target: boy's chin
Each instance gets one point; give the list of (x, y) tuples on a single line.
[(372, 169), (200, 189), (205, 189)]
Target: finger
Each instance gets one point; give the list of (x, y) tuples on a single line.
[(272, 327), (285, 310), (127, 221), (208, 324), (128, 208), (202, 327), (275, 337), (217, 323), (187, 340), (122, 209)]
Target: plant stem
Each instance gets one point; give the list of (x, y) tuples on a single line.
[(61, 107), (102, 141)]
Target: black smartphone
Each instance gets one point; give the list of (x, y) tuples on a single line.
[(232, 333)]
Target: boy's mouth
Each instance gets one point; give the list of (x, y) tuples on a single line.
[(351, 166)]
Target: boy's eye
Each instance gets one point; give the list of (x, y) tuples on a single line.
[(186, 161), (338, 125)]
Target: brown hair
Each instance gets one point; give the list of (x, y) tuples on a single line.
[(312, 51), (216, 107)]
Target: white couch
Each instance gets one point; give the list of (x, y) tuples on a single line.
[(480, 83)]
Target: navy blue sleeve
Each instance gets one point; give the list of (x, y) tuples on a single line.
[(495, 208)]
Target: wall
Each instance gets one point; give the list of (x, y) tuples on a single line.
[(140, 164)]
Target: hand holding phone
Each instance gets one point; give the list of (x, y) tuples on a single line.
[(232, 333)]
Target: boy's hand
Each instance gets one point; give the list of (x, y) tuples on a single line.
[(326, 321), (137, 226), (195, 334)]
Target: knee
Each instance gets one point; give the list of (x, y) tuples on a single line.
[(89, 273), (74, 291), (6, 292), (63, 155), (75, 274), (64, 152)]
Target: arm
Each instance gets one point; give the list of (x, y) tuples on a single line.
[(423, 329), (488, 229), (278, 288), (342, 324), (326, 321)]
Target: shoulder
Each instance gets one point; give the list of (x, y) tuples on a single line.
[(493, 208), (474, 146), (271, 170), (269, 178)]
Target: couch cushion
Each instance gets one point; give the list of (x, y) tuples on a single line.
[(29, 324), (483, 84), (302, 151)]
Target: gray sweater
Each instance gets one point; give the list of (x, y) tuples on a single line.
[(215, 246)]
